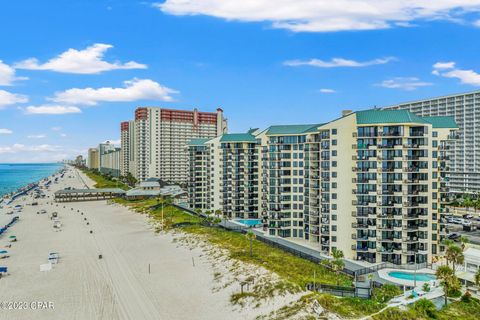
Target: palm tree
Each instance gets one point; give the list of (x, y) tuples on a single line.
[(445, 274), (468, 203), (455, 255), (337, 263), (250, 236), (464, 241), (477, 278), (476, 205)]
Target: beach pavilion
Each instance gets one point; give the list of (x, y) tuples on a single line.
[(73, 195)]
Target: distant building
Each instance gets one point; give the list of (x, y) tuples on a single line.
[(463, 155), (104, 148), (93, 159), (155, 147), (79, 161), (110, 162), (127, 137)]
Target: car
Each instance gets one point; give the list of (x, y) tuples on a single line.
[(454, 236), (457, 220), (467, 216), (466, 223)]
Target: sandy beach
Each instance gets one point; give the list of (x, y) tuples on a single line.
[(142, 275)]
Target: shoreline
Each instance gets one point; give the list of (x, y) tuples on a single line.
[(142, 275), (5, 196)]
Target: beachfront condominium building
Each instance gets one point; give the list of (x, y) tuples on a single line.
[(103, 148), (127, 138), (464, 154), (93, 159), (371, 183), (161, 136), (224, 175), (110, 162)]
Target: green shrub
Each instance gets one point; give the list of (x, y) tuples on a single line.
[(385, 293), (425, 308)]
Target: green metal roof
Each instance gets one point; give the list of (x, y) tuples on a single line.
[(238, 137), (441, 122), (292, 129), (197, 142), (374, 116)]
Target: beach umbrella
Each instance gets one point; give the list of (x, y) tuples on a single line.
[(3, 252), (12, 237)]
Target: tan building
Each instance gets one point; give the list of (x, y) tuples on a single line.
[(93, 159), (127, 138), (370, 183)]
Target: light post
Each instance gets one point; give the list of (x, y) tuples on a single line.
[(415, 273)]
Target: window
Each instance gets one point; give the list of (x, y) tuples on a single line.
[(334, 238), (334, 153), (334, 174), (334, 185), (334, 163), (434, 134), (334, 228), (334, 131), (334, 142)]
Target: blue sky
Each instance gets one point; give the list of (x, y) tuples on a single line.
[(264, 62)]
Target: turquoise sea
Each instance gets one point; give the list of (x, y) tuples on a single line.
[(16, 175)]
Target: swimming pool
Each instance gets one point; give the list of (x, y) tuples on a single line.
[(249, 222), (411, 276)]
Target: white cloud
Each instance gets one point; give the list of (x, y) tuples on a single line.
[(325, 15), (404, 83), (17, 147), (7, 75), (449, 70), (87, 61), (56, 128), (444, 65), (36, 136), (63, 135), (136, 89), (336, 63), (325, 90), (477, 23), (37, 153), (8, 98), (51, 109), (5, 131)]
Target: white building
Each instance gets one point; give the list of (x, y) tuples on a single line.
[(161, 136), (110, 162), (464, 152)]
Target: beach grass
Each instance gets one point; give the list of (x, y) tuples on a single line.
[(295, 272), (289, 267), (103, 181)]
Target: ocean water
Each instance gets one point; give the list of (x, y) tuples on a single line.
[(16, 175)]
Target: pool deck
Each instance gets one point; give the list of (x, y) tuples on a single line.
[(384, 275)]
